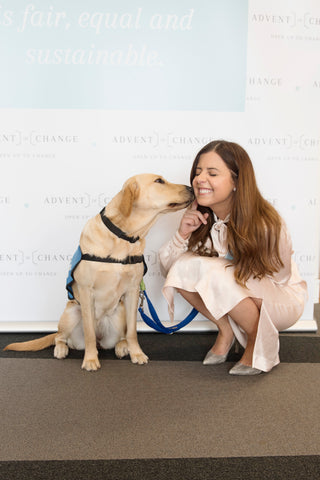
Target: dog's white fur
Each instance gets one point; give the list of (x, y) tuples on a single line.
[(106, 295)]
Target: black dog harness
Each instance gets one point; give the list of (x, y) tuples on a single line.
[(78, 256)]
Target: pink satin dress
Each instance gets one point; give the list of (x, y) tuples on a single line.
[(283, 295)]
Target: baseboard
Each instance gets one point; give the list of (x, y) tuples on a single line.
[(193, 327)]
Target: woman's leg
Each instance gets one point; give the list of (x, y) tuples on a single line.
[(245, 314), (225, 334)]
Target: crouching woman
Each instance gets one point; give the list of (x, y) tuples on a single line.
[(231, 259)]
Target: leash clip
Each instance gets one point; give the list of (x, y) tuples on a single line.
[(142, 297)]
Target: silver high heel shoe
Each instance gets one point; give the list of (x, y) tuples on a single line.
[(240, 369), (214, 359)]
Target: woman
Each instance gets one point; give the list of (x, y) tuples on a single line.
[(231, 259)]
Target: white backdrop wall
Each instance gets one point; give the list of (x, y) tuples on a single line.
[(94, 92)]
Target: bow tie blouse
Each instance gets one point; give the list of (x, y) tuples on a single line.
[(219, 236)]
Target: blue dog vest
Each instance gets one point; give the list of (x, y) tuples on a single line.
[(78, 255), (76, 259)]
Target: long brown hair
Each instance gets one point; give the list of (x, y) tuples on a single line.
[(254, 225)]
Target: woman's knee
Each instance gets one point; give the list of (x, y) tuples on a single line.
[(257, 301), (246, 314)]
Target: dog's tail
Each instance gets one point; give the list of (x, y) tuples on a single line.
[(33, 345)]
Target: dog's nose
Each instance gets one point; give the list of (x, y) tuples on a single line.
[(190, 193), (190, 190)]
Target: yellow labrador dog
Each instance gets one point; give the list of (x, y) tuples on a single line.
[(104, 292)]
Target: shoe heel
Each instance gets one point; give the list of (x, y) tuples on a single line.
[(236, 346)]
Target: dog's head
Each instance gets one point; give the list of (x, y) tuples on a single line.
[(150, 192)]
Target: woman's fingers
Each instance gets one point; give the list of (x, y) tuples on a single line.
[(196, 216), (191, 220), (194, 205)]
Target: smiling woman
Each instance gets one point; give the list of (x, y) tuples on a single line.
[(231, 259), (214, 184)]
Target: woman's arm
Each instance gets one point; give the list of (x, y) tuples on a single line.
[(171, 251)]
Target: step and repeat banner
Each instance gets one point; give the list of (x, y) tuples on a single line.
[(92, 93)]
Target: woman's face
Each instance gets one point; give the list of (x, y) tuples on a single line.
[(213, 184)]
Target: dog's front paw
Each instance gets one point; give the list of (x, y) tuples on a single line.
[(61, 350), (139, 358), (121, 349), (90, 364)]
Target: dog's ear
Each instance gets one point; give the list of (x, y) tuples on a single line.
[(130, 193)]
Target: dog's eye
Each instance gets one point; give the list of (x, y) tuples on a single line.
[(159, 180)]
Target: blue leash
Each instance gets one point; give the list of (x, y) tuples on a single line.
[(154, 322)]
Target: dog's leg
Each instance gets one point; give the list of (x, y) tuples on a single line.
[(121, 348), (111, 332), (131, 305), (90, 361), (68, 321)]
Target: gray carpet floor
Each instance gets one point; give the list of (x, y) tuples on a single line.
[(173, 418), (51, 410)]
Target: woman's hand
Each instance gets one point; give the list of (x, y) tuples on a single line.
[(191, 221)]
